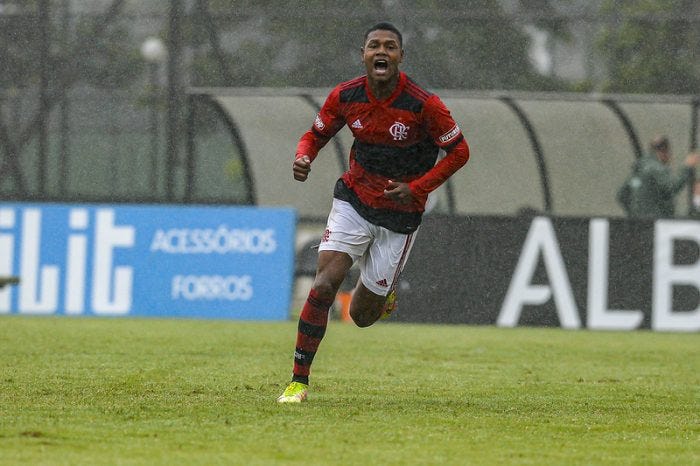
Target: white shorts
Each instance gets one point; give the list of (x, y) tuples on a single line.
[(380, 253)]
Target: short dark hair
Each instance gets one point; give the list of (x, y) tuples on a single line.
[(385, 26)]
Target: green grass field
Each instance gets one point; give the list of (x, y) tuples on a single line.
[(126, 391)]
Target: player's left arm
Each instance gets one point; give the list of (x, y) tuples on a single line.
[(447, 134)]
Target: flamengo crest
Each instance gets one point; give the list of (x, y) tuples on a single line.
[(399, 131)]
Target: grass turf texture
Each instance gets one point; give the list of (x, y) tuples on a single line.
[(125, 391)]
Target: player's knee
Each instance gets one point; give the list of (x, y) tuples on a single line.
[(362, 319), (325, 291)]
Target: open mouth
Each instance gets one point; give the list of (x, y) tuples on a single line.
[(381, 66)]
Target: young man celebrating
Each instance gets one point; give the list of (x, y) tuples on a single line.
[(378, 203)]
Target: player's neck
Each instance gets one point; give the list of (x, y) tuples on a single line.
[(382, 90)]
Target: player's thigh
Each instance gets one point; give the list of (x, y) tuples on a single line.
[(346, 231), (332, 268), (381, 266)]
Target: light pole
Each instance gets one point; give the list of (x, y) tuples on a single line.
[(154, 53)]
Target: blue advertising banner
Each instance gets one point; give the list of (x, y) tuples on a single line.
[(165, 261)]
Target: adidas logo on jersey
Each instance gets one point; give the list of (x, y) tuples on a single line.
[(357, 124), (383, 283)]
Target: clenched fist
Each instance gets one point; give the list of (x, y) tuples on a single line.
[(301, 168)]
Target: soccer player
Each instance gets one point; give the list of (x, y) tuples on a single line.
[(378, 203)]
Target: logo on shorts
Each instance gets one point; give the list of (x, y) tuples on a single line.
[(383, 283), (399, 131), (326, 235)]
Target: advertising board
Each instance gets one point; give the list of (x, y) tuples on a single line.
[(596, 273), (135, 260)]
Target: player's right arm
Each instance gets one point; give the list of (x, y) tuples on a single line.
[(327, 123)]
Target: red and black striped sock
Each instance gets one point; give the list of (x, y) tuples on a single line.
[(312, 326)]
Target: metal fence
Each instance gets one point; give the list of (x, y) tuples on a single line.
[(93, 94)]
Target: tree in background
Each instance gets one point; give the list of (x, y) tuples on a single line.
[(96, 49), (651, 46), (47, 50), (449, 43)]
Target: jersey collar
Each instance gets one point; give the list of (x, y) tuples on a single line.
[(399, 88)]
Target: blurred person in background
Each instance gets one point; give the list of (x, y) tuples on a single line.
[(651, 188), (378, 203), (695, 203)]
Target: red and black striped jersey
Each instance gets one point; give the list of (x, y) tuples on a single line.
[(395, 139)]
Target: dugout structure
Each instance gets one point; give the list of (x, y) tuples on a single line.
[(551, 153), (555, 154)]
